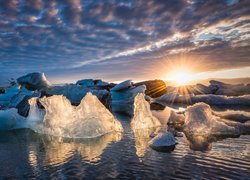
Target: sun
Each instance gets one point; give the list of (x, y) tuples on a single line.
[(181, 77)]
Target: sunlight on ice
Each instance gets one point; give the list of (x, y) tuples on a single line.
[(87, 120), (143, 117)]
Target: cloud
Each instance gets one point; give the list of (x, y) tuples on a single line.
[(70, 36)]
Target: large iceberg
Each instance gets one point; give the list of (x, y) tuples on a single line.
[(143, 118), (208, 99), (87, 120), (34, 81)]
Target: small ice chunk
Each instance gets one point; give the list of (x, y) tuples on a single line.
[(163, 142)]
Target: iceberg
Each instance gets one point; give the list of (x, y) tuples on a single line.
[(154, 88), (90, 83), (199, 120), (238, 116), (87, 120), (229, 89), (123, 86), (36, 114), (202, 126), (75, 93), (20, 101), (123, 96), (143, 118), (34, 81), (9, 93), (210, 99), (10, 119)]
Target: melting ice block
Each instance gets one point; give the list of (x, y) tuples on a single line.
[(89, 119), (36, 115), (200, 121), (143, 118)]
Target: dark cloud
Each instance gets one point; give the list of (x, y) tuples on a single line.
[(117, 38)]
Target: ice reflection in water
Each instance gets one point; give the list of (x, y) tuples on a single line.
[(142, 138), (24, 154)]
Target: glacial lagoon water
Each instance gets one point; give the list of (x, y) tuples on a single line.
[(25, 154)]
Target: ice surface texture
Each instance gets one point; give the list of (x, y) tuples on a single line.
[(123, 96), (199, 120), (143, 118), (89, 119), (10, 119), (34, 81)]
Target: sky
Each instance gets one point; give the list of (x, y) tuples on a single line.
[(115, 40)]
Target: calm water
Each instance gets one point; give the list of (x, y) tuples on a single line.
[(25, 154)]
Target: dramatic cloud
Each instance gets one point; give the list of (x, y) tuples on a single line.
[(121, 39)]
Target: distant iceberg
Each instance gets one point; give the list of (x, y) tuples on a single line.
[(208, 99), (215, 87), (123, 96), (87, 120), (75, 93), (34, 81)]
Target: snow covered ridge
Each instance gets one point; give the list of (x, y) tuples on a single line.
[(87, 120), (210, 99)]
